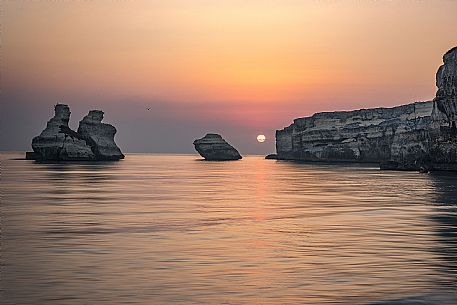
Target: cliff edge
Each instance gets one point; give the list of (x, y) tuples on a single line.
[(415, 136)]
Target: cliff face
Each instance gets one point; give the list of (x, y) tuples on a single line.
[(93, 141), (446, 81), (410, 136)]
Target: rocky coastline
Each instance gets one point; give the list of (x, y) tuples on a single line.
[(416, 136)]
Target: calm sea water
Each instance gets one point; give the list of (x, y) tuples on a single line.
[(170, 229)]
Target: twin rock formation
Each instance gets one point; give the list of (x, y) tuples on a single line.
[(416, 136), (94, 140)]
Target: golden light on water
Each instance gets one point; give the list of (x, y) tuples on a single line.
[(255, 226), (261, 138)]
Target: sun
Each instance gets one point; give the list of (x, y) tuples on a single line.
[(261, 138)]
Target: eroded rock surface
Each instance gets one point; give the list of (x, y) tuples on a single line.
[(415, 136), (213, 147), (58, 142), (100, 136), (446, 81)]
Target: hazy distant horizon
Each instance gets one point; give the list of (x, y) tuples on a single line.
[(239, 69)]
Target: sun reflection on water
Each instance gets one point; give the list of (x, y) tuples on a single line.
[(169, 229)]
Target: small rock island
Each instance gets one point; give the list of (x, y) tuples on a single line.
[(94, 140), (271, 157), (418, 136), (213, 147)]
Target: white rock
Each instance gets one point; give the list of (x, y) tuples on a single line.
[(100, 136), (412, 136), (52, 144)]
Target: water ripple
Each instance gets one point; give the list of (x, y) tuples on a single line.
[(161, 229)]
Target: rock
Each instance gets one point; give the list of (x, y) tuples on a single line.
[(423, 170), (364, 135), (389, 165), (407, 137), (446, 81), (54, 145), (271, 157), (213, 147), (31, 155), (100, 136), (58, 142)]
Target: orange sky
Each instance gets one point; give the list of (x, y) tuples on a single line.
[(279, 59)]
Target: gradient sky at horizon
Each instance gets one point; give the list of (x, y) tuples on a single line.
[(239, 68)]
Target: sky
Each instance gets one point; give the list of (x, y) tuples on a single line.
[(239, 68)]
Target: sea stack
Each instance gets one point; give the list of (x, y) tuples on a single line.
[(100, 136), (57, 142), (213, 147), (415, 136), (94, 140)]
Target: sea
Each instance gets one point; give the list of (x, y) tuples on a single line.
[(174, 229)]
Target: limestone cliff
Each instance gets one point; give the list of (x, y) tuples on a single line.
[(58, 142), (446, 81), (412, 136)]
